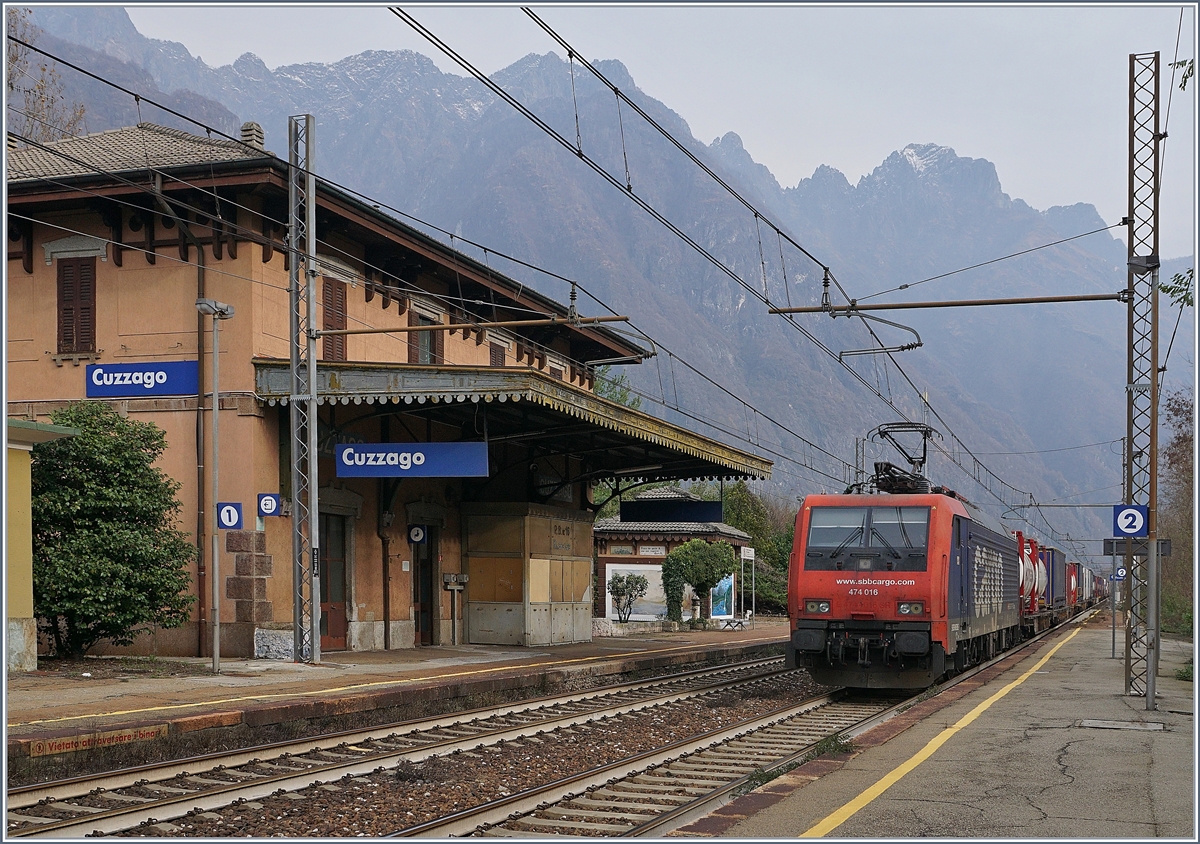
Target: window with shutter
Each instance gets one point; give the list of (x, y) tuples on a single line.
[(497, 353), (334, 299), (76, 305), (425, 346)]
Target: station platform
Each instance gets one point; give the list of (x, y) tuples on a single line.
[(1042, 745), (54, 718)]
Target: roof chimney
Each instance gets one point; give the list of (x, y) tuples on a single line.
[(252, 134)]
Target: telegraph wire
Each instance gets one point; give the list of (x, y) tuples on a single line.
[(138, 98), (677, 407), (675, 142), (695, 416), (862, 299), (719, 265), (757, 214), (1046, 450), (521, 108)]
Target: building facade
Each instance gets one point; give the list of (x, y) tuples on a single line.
[(115, 237), (21, 629)]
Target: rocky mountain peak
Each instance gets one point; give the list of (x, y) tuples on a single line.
[(925, 156)]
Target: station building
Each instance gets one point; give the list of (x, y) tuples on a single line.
[(113, 237)]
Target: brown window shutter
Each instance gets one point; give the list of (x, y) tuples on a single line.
[(86, 337), (414, 343), (439, 346), (334, 299), (497, 354), (76, 305)]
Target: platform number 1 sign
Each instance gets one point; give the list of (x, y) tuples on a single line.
[(1131, 520), (229, 515)]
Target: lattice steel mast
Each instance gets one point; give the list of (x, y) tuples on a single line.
[(1141, 469), (302, 240)]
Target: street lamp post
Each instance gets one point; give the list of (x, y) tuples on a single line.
[(218, 311)]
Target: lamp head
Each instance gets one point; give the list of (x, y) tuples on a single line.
[(213, 308)]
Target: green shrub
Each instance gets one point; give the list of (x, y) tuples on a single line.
[(108, 561)]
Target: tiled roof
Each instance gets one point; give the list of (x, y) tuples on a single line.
[(132, 148), (618, 527), (667, 493)]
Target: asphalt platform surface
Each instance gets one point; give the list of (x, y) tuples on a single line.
[(1044, 745)]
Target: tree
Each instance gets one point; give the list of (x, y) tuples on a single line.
[(619, 390), (625, 590), (1179, 288), (770, 522), (674, 579), (108, 561), (616, 388), (1176, 510), (37, 108), (701, 564), (1189, 67)]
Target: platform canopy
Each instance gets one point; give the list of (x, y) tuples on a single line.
[(527, 407)]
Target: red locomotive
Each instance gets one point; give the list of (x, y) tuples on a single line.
[(896, 588)]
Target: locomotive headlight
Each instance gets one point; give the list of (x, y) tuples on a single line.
[(816, 606), (911, 608)]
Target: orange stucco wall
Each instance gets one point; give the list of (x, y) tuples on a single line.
[(147, 313)]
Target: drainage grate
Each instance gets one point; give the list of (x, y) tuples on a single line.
[(1119, 725)]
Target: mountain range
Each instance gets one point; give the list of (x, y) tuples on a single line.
[(1001, 381)]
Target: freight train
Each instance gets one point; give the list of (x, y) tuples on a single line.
[(898, 587)]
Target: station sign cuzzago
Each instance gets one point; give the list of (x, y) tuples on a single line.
[(412, 460), (140, 380)]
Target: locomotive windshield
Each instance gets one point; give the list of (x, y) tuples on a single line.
[(867, 538)]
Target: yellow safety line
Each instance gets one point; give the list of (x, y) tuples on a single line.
[(399, 682), (839, 817)]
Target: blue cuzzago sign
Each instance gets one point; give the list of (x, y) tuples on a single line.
[(137, 380), (412, 460)]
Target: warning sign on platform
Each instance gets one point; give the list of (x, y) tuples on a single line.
[(91, 741)]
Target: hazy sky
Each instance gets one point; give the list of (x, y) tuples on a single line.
[(1041, 91)]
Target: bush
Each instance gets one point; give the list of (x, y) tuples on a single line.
[(108, 561)]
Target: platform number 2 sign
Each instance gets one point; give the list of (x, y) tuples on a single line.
[(1131, 520)]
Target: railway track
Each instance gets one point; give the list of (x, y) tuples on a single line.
[(124, 799), (654, 792), (651, 794), (646, 788)]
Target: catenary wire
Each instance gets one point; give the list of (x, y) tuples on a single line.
[(862, 299), (677, 407), (500, 92), (695, 416)]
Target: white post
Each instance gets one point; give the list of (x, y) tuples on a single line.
[(216, 535), (218, 311), (1152, 622), (753, 594)]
